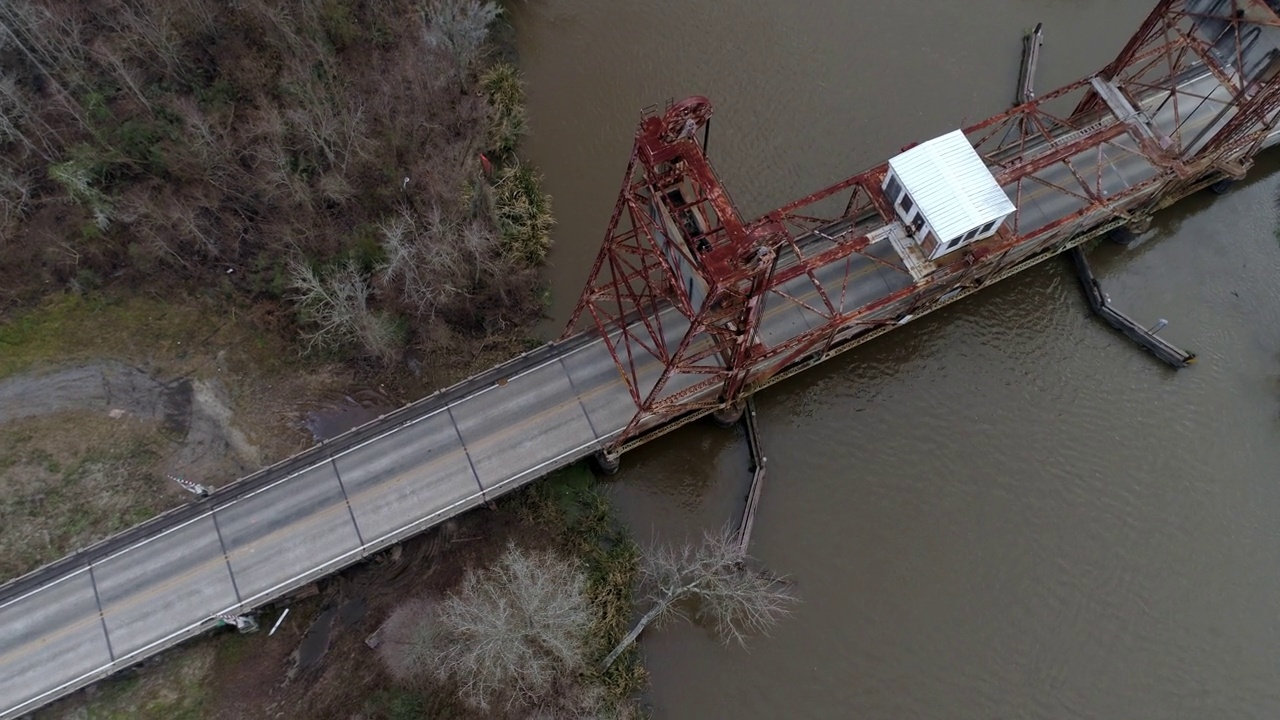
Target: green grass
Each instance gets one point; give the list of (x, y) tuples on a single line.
[(233, 647), (72, 327), (405, 704), (177, 689)]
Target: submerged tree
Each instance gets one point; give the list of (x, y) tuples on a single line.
[(713, 583), (515, 638)]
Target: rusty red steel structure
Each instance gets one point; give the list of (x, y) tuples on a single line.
[(1167, 46), (682, 279)]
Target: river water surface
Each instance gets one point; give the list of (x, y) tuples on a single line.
[(1003, 509)]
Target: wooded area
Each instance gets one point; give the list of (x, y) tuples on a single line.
[(349, 160)]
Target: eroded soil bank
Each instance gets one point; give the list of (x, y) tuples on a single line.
[(89, 450)]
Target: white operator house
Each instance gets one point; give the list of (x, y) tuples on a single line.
[(945, 194)]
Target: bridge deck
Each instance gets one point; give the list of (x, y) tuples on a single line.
[(132, 596), (108, 609)]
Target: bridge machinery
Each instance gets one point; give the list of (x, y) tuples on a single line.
[(699, 307)]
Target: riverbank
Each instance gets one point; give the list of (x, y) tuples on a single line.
[(321, 294), (323, 660)]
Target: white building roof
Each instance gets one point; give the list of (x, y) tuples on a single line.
[(952, 186)]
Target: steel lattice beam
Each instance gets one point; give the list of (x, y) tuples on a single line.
[(680, 287)]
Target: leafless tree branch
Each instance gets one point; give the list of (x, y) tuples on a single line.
[(506, 635), (337, 306), (711, 582), (460, 28)]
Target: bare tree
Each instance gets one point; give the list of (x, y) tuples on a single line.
[(425, 267), (434, 260), (15, 113), (460, 28), (152, 27), (15, 193), (129, 77), (337, 305), (53, 43), (326, 116), (405, 640), (209, 151), (709, 582), (506, 636), (270, 157)]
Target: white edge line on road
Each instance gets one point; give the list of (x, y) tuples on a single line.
[(322, 569)]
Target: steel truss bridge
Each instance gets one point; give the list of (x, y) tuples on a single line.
[(688, 310)]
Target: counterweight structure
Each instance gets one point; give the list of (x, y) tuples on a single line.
[(699, 307)]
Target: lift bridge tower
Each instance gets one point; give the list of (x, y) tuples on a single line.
[(682, 282)]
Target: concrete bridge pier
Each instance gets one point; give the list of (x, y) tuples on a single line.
[(1128, 234), (606, 462), (729, 415)]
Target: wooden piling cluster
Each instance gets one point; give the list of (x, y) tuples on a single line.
[(1101, 306), (1031, 43), (757, 475)]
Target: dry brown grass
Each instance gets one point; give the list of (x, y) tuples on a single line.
[(74, 478)]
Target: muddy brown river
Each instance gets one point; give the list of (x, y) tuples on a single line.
[(1003, 510)]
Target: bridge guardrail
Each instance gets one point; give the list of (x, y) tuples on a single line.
[(318, 453)]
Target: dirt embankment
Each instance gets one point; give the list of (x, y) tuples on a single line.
[(88, 450), (100, 401), (194, 414)]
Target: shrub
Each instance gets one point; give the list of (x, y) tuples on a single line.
[(74, 177), (523, 213), (505, 94), (505, 637), (336, 306), (339, 26)]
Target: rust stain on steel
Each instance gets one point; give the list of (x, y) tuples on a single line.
[(683, 279)]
